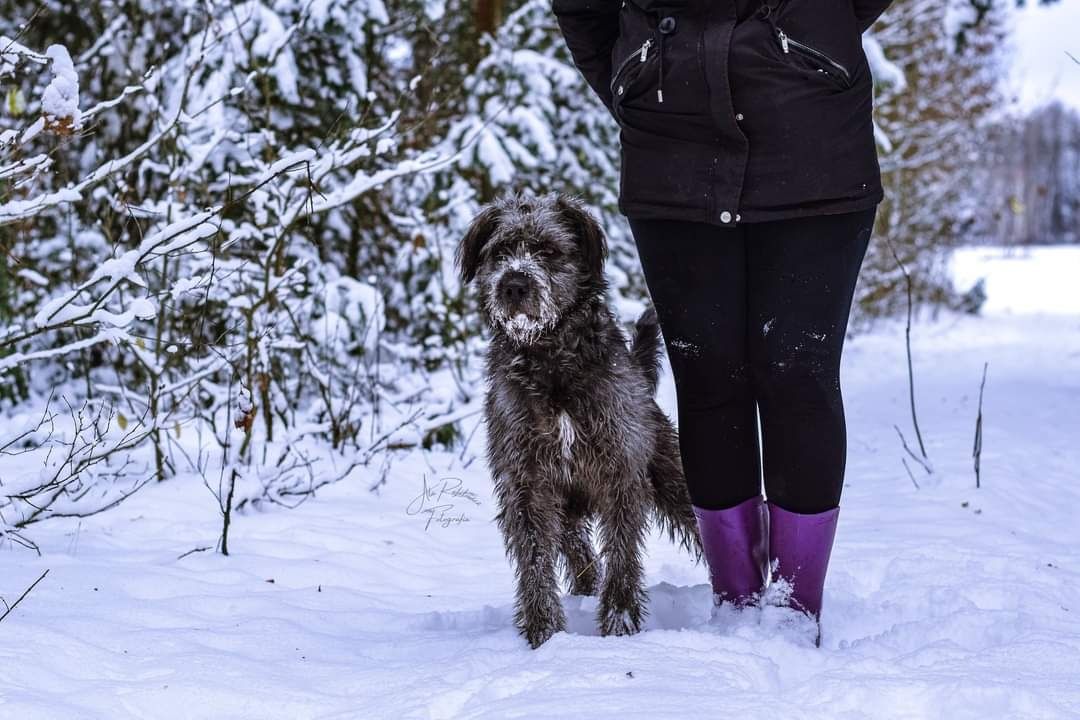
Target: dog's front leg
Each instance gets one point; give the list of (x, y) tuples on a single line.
[(623, 519), (531, 521)]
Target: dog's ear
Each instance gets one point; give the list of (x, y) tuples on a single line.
[(479, 232), (588, 232)]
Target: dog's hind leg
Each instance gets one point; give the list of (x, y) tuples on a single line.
[(581, 563), (674, 514), (531, 521), (623, 522)]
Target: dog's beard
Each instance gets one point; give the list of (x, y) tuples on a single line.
[(525, 330), (523, 325)]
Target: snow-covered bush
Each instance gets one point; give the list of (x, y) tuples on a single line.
[(182, 248)]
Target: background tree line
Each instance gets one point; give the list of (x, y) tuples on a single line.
[(1031, 176)]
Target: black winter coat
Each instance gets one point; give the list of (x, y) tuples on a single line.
[(730, 110)]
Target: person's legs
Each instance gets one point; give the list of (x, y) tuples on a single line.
[(695, 274), (801, 280)]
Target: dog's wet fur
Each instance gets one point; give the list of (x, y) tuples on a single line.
[(574, 432)]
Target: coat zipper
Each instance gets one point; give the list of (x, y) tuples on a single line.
[(786, 43), (642, 53)]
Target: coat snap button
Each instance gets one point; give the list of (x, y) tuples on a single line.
[(667, 25), (739, 117), (725, 216)]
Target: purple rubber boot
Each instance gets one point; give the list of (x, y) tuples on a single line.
[(734, 540), (799, 548)]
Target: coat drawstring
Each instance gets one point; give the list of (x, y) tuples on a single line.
[(665, 24), (660, 79)]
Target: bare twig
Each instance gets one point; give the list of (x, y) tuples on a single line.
[(907, 335), (910, 474), (903, 441), (192, 551), (17, 538), (45, 418), (11, 608), (226, 513), (102, 508)]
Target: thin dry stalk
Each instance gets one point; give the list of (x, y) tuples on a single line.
[(907, 336), (976, 452)]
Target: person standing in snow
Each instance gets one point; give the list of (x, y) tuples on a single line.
[(750, 181)]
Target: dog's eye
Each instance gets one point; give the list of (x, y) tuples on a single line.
[(547, 252)]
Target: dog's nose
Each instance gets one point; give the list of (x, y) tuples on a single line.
[(515, 286)]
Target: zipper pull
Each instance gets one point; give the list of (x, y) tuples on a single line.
[(783, 40), (645, 49)]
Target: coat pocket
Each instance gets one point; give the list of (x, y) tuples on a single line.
[(803, 54), (629, 69), (658, 60), (818, 60)]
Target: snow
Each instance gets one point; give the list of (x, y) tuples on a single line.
[(141, 308), (1042, 70), (271, 42), (13, 209), (884, 71), (13, 52), (294, 162), (1023, 280), (32, 131), (60, 101), (491, 155), (942, 601), (104, 335), (33, 276)]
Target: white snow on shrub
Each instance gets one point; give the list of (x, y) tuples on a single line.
[(60, 101)]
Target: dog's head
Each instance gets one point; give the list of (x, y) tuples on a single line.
[(533, 259)]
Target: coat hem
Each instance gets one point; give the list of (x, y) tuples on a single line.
[(751, 215), (830, 207)]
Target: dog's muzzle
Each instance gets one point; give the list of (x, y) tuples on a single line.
[(514, 290), (521, 304)]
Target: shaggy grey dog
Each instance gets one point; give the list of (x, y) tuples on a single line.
[(574, 432)]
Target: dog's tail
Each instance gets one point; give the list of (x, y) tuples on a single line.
[(646, 349), (674, 513)]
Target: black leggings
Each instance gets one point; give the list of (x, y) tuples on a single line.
[(754, 319)]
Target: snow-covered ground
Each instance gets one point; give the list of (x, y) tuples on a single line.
[(943, 601)]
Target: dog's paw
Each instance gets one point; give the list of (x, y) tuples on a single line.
[(620, 622), (623, 606), (539, 632), (621, 613)]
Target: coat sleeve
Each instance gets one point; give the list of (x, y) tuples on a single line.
[(867, 11), (590, 28)]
